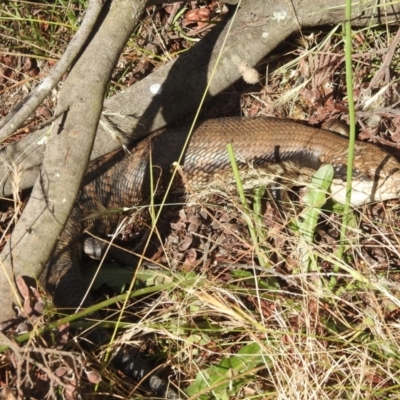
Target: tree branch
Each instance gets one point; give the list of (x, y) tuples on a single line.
[(22, 111), (68, 150)]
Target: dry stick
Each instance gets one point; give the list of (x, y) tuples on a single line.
[(24, 109), (387, 59), (48, 121)]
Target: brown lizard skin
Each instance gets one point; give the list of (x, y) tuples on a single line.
[(277, 146)]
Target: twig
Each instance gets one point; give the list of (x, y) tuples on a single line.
[(387, 59), (49, 121)]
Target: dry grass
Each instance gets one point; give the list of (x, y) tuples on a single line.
[(226, 328)]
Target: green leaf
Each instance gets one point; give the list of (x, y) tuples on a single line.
[(226, 372), (314, 200)]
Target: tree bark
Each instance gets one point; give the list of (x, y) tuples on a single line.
[(68, 149)]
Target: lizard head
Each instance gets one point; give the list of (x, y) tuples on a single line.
[(380, 180)]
